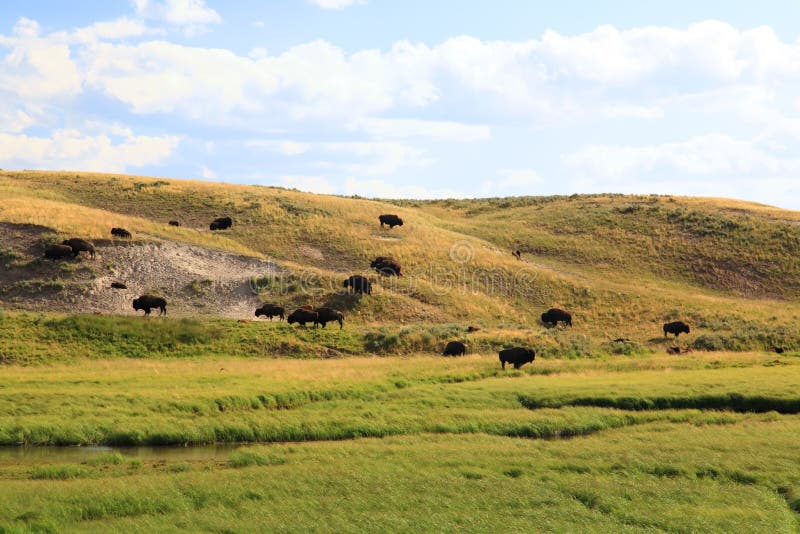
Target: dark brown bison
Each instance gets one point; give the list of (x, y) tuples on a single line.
[(386, 266), (118, 285), (148, 302), (358, 284), (302, 317), (57, 252), (454, 348), (554, 315), (270, 311), (222, 223), (391, 220), (174, 223), (121, 232), (329, 315), (676, 327), (517, 356), (79, 245)]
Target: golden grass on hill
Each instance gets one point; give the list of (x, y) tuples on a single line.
[(622, 264)]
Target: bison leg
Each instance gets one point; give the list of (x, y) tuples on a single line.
[(163, 310), (503, 363)]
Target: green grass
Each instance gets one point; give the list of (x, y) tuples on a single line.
[(369, 428)]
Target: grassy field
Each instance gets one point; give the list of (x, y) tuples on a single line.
[(407, 444), (198, 422)]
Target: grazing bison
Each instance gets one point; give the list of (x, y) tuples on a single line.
[(455, 348), (777, 350), (57, 252), (174, 223), (222, 223), (391, 220), (303, 316), (118, 285), (554, 315), (79, 245), (676, 327), (329, 315), (386, 266), (270, 311), (517, 356), (358, 284), (121, 232), (148, 302)]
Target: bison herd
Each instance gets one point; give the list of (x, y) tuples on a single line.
[(383, 265)]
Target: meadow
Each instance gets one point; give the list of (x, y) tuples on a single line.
[(420, 443), (208, 420)]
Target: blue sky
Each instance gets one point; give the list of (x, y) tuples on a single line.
[(411, 99)]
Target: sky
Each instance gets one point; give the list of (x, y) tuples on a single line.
[(411, 98)]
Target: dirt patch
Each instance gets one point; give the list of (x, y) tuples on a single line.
[(384, 238), (194, 280)]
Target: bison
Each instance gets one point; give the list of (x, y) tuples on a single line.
[(455, 348), (118, 285), (148, 302), (676, 327), (121, 232), (222, 223), (517, 356), (386, 266), (303, 316), (329, 315), (358, 284), (174, 223), (553, 316), (391, 220), (57, 252), (79, 245), (270, 311)]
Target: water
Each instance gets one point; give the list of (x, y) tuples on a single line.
[(37, 455)]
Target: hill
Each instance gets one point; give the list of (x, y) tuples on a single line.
[(622, 265)]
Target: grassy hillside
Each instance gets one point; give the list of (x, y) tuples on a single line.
[(622, 264), (595, 435)]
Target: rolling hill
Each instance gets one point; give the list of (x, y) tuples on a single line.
[(622, 265)]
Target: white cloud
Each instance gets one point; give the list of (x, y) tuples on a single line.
[(382, 189), (69, 149), (37, 68), (114, 29), (512, 182), (375, 158), (336, 4), (192, 15), (415, 128), (15, 120), (257, 24), (712, 155), (311, 184), (285, 147), (207, 173)]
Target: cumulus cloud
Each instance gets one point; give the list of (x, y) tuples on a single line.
[(512, 182), (336, 4), (194, 16), (421, 129), (70, 149), (713, 155)]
